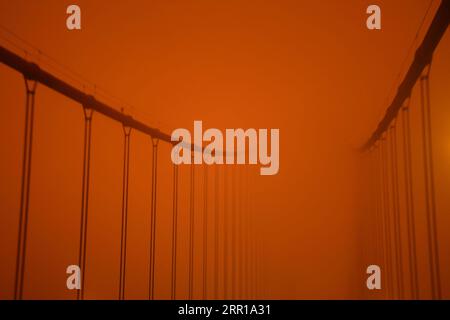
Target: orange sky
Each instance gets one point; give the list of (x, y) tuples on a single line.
[(310, 68)]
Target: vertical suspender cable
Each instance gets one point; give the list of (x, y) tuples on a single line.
[(225, 234), (381, 217), (255, 294), (247, 236), (377, 230), (373, 159), (241, 234), (243, 214), (373, 234), (393, 209), (244, 233), (85, 197), (410, 219), (236, 228), (123, 239), (216, 232), (386, 216), (155, 142), (174, 231), (191, 230), (254, 240), (233, 234), (257, 265), (429, 187), (30, 86), (205, 231), (396, 212)]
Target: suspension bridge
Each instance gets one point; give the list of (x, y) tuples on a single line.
[(228, 250), (392, 151), (235, 235)]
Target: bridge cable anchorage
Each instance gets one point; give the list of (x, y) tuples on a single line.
[(124, 225), (88, 113), (216, 232), (205, 230), (396, 210), (30, 90), (174, 231), (409, 199), (385, 191), (155, 142), (191, 230), (429, 185)]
